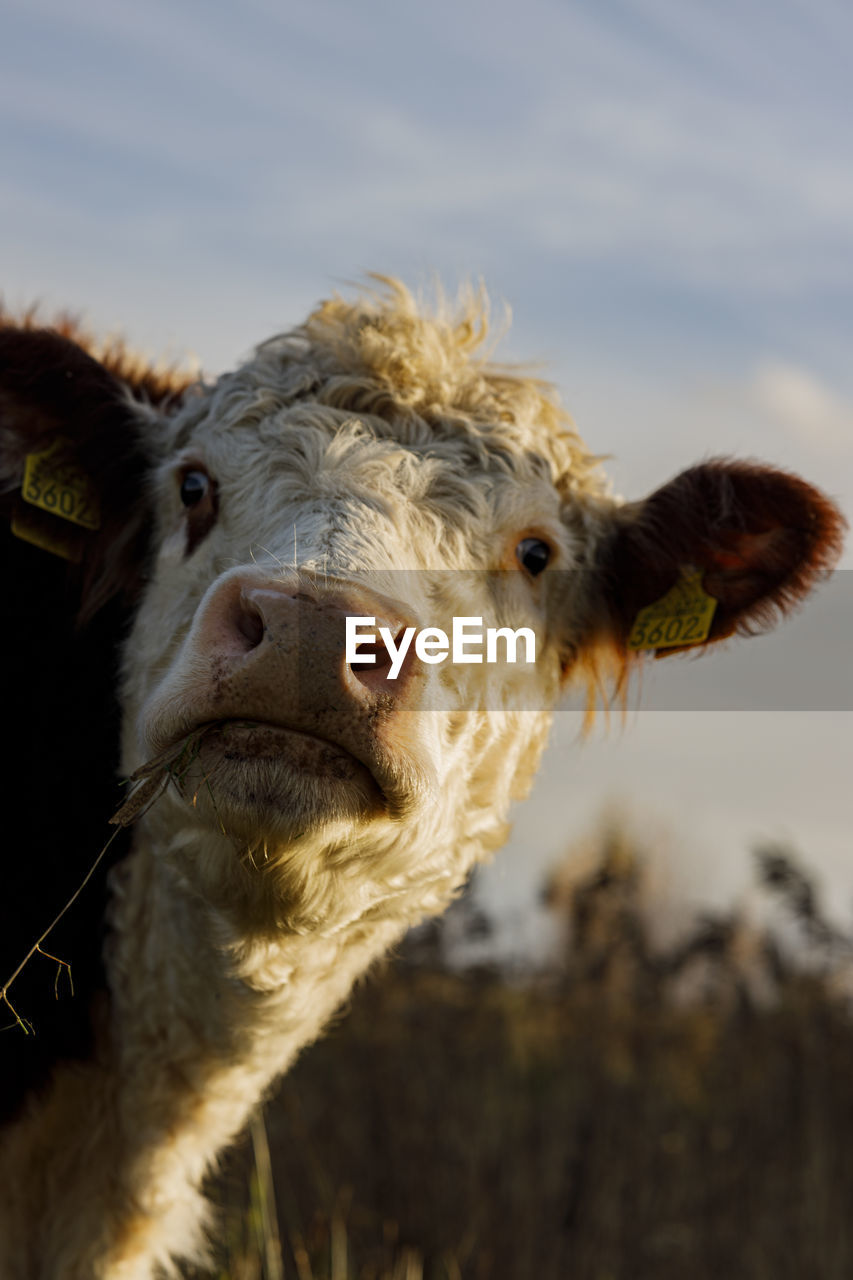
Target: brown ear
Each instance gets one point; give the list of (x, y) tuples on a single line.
[(54, 392), (759, 537)]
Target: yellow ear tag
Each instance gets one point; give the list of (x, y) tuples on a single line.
[(60, 487), (683, 616)]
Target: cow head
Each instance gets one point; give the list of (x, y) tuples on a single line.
[(369, 464)]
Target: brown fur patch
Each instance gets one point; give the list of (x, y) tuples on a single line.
[(159, 385)]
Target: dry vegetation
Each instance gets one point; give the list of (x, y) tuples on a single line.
[(647, 1113)]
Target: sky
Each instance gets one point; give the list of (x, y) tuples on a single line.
[(660, 190)]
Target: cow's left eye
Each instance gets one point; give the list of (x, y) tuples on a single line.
[(533, 555), (195, 486), (199, 498)]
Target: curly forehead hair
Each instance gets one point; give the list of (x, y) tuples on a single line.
[(420, 374)]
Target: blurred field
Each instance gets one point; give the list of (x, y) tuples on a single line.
[(641, 1115)]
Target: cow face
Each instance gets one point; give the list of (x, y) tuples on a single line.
[(247, 619), (274, 526)]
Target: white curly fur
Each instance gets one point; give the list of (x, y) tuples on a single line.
[(373, 444)]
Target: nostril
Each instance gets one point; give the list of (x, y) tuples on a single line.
[(383, 658), (250, 622), (374, 657)]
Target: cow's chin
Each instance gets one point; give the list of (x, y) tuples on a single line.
[(266, 783)]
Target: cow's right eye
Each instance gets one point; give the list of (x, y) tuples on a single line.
[(195, 486), (201, 503)]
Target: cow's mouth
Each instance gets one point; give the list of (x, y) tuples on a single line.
[(241, 741), (250, 777)]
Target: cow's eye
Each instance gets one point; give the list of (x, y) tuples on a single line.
[(199, 497), (533, 555), (195, 486)]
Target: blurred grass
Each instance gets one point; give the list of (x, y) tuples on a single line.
[(640, 1115)]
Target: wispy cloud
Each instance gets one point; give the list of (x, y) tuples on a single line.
[(653, 155), (645, 133), (804, 405)]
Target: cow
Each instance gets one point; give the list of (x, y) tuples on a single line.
[(231, 595)]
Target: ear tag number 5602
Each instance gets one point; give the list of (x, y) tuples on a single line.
[(60, 487)]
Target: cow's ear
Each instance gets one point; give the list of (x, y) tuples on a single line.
[(75, 443), (733, 545)]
